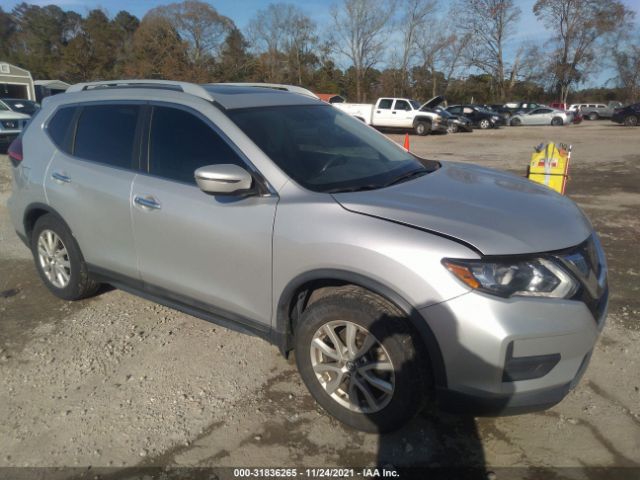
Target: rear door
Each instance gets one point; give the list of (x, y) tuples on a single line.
[(88, 181), (382, 116), (211, 252)]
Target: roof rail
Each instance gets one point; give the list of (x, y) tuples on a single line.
[(186, 87), (275, 86)]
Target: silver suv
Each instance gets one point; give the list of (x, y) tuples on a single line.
[(393, 278)]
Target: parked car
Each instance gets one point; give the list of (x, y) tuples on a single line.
[(629, 115), (455, 123), (11, 124), (542, 116), (398, 113), (512, 108), (479, 117), (394, 279), (28, 107), (595, 111)]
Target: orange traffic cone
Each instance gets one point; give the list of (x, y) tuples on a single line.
[(406, 142)]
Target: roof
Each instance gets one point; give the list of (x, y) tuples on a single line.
[(236, 96), (325, 97), (55, 84), (228, 96)]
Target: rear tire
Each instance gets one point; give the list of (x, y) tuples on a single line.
[(631, 121), (422, 128), (516, 122), (593, 116), (556, 122), (59, 261), (344, 384)]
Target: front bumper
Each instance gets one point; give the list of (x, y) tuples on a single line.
[(479, 334), (439, 127)]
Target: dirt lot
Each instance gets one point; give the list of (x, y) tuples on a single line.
[(117, 380)]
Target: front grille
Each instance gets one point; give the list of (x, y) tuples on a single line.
[(10, 124), (588, 265)]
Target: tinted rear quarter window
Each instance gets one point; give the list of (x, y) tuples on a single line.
[(59, 127), (181, 143), (106, 134)]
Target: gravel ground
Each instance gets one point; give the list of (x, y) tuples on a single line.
[(118, 381)]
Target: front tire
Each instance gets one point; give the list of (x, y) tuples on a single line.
[(485, 124), (631, 121), (452, 128), (422, 128), (59, 261), (360, 361)]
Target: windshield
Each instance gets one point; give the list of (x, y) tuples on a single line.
[(414, 104), (22, 106), (326, 150)]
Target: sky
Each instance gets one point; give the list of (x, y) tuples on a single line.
[(241, 11)]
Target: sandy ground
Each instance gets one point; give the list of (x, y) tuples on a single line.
[(118, 381)]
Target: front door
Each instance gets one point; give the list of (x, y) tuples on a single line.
[(212, 252)]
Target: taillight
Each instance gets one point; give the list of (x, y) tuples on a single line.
[(15, 152)]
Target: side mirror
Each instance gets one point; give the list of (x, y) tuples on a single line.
[(223, 179)]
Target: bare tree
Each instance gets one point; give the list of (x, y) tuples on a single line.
[(359, 32), (413, 24), (627, 62), (285, 37), (199, 24), (579, 27), (491, 23), (441, 50)]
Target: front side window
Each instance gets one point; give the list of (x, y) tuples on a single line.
[(180, 143), (326, 150), (402, 105), (106, 134)]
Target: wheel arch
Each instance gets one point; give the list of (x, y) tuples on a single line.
[(33, 212), (295, 298), (422, 118)]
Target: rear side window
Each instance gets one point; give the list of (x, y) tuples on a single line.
[(181, 143), (60, 126), (106, 134), (385, 104)]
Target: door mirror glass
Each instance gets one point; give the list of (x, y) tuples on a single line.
[(224, 179)]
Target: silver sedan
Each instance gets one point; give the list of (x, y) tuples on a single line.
[(542, 116)]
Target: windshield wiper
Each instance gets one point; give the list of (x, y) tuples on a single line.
[(407, 176), (358, 188)]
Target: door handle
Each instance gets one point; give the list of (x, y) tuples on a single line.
[(147, 202), (393, 113), (60, 177), (377, 111)]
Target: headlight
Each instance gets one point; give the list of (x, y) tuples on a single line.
[(538, 277), (496, 118)]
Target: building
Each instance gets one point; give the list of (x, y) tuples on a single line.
[(16, 82), (46, 88)]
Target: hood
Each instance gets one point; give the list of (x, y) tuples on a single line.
[(497, 213), (433, 103)]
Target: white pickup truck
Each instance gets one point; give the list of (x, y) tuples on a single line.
[(398, 113)]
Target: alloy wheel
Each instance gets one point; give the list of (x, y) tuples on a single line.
[(54, 259), (352, 366)]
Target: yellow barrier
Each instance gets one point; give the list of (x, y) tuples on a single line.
[(550, 166)]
